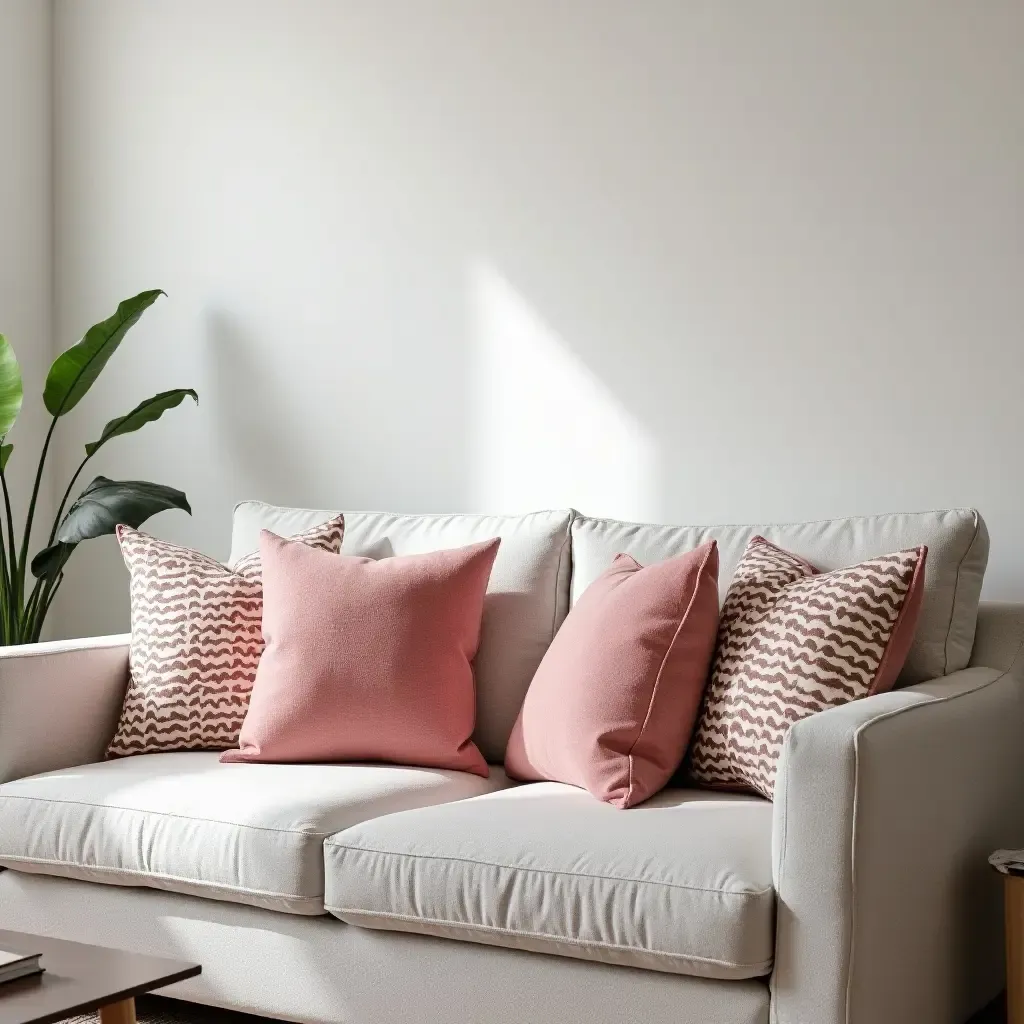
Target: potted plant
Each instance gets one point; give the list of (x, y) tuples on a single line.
[(28, 585)]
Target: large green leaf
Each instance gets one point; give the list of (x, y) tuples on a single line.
[(73, 372), (10, 387), (105, 503), (50, 561), (145, 412), (98, 510)]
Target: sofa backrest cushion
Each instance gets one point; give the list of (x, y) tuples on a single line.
[(527, 598), (957, 542)]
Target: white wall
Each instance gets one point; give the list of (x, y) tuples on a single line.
[(26, 226), (684, 261)]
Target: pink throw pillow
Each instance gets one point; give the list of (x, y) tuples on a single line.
[(612, 704), (367, 660)]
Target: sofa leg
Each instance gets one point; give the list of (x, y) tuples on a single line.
[(118, 1013), (1014, 905)]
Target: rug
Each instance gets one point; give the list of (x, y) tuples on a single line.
[(160, 1010)]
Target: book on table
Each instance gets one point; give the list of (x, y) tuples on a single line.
[(18, 965)]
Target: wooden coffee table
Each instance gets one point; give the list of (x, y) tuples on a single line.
[(80, 978)]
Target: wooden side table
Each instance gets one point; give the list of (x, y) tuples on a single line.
[(1014, 908)]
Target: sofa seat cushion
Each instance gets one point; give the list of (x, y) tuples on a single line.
[(184, 822), (682, 884)]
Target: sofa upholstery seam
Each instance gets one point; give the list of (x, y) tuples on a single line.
[(568, 940), (551, 871), (393, 515), (956, 593), (566, 541), (772, 1004), (161, 876), (122, 641), (792, 522), (164, 814)]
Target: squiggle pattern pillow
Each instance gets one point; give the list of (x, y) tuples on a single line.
[(196, 642), (793, 641)]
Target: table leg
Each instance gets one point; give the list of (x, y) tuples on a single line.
[(118, 1013), (1014, 907)]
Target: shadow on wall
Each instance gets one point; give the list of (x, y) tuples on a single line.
[(261, 450), (545, 431)]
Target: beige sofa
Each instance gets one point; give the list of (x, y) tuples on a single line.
[(366, 893)]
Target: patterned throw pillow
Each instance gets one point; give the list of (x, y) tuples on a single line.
[(196, 641), (793, 641)]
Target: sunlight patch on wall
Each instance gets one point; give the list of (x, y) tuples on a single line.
[(546, 432)]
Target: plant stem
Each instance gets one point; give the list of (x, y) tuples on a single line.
[(5, 586), (10, 570), (22, 563), (37, 626), (64, 500), (31, 606), (10, 520)]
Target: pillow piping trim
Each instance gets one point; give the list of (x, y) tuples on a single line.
[(712, 550)]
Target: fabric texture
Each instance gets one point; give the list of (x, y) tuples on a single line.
[(367, 660), (793, 642), (318, 970), (184, 822), (615, 699), (681, 885), (60, 702), (957, 542), (196, 642), (885, 812), (527, 593)]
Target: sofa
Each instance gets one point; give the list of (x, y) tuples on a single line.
[(385, 893)]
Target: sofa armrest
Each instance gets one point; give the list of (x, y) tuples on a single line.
[(885, 812), (999, 637), (59, 702)]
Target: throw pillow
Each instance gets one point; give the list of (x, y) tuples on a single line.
[(195, 643), (367, 660), (612, 704), (793, 641)]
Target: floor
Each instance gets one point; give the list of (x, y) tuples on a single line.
[(155, 1010)]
